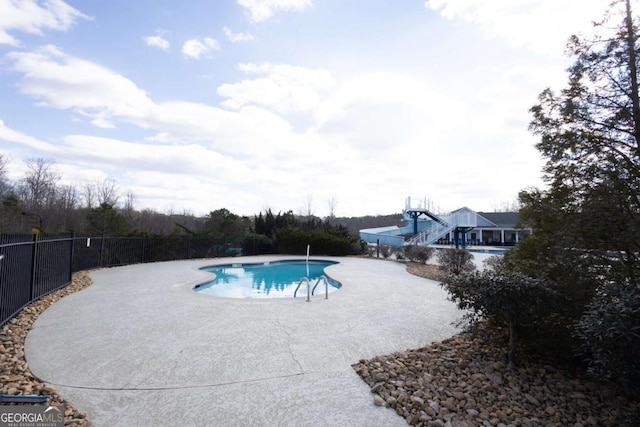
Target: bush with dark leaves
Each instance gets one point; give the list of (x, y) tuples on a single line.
[(418, 253), (456, 261), (508, 298)]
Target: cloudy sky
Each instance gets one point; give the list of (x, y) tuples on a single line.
[(284, 104)]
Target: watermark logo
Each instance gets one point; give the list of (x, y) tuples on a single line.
[(31, 416)]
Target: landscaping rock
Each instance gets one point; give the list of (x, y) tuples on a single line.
[(455, 385), (464, 381), (377, 400), (15, 376)]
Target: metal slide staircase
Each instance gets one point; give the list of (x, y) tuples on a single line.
[(441, 224), (431, 235)]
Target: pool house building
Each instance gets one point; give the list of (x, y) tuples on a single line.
[(462, 226)]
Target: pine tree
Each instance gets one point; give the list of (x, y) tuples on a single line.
[(586, 226)]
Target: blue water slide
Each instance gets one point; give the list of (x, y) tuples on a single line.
[(393, 235)]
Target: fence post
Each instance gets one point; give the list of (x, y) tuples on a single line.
[(102, 250), (73, 251), (144, 241), (34, 256)]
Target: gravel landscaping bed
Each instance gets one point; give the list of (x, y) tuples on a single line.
[(15, 376), (464, 381)]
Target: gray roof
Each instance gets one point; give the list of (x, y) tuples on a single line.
[(501, 219)]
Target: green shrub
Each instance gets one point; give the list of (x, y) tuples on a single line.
[(295, 241), (494, 263), (386, 251), (418, 253), (257, 244), (610, 334), (456, 261), (372, 251), (508, 298), (359, 247)]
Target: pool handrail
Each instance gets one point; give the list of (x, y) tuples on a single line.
[(326, 286), (304, 279), (312, 291)]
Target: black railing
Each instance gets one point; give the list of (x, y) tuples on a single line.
[(33, 266)]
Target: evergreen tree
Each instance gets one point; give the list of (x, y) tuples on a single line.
[(269, 224), (259, 225), (222, 223), (286, 220), (586, 238), (107, 221)]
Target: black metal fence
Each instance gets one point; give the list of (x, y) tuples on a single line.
[(33, 266)]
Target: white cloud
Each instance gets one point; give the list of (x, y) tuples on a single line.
[(261, 10), (157, 41), (161, 177), (247, 158), (32, 16), (195, 48), (67, 82), (10, 135), (188, 176), (191, 159), (102, 123), (236, 37), (505, 99), (393, 123), (369, 141), (541, 25), (404, 136), (284, 88)]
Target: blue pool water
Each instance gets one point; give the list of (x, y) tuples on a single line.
[(276, 279), (492, 251), (489, 251)]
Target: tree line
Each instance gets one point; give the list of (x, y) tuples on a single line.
[(39, 203)]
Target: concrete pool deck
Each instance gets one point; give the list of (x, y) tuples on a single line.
[(140, 347)]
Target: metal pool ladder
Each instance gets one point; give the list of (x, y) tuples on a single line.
[(311, 291)]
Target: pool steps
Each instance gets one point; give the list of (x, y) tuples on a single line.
[(311, 291)]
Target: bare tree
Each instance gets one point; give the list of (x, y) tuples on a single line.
[(108, 192), (506, 206), (67, 197), (128, 203), (332, 202), (99, 192), (38, 187), (89, 195), (62, 214), (5, 186), (308, 207), (10, 209)]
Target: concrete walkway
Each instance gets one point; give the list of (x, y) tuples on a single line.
[(139, 347)]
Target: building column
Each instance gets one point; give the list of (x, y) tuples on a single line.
[(480, 237), (517, 237), (502, 236)]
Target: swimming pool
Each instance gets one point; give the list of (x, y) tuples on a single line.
[(492, 251), (275, 279), (482, 250)]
